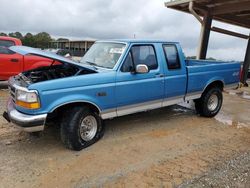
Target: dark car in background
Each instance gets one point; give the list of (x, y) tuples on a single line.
[(62, 52)]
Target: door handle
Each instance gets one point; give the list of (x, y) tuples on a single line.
[(159, 75), (14, 60)]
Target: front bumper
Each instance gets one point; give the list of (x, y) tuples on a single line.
[(28, 123)]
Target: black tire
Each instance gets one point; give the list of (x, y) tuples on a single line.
[(202, 105), (71, 126), (198, 106)]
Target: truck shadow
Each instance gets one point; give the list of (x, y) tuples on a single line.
[(151, 118), (114, 128)]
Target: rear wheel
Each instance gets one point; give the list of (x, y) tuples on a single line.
[(81, 128), (210, 102)]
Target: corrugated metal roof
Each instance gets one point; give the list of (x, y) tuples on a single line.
[(236, 12)]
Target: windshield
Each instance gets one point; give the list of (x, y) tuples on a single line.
[(104, 54)]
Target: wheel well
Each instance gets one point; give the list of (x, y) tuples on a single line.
[(56, 114), (217, 83)]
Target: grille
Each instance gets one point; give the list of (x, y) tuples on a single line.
[(12, 91)]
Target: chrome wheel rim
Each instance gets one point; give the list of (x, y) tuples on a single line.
[(213, 102), (88, 128)]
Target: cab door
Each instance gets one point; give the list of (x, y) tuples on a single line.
[(138, 92), (10, 63), (175, 77)]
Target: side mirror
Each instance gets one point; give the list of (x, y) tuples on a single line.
[(141, 69)]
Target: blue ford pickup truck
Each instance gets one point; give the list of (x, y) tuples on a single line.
[(114, 78)]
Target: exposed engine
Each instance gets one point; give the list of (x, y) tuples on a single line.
[(54, 72)]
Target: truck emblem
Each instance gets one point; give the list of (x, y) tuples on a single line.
[(236, 74), (101, 94)]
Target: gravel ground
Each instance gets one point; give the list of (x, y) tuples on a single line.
[(169, 147), (232, 173)]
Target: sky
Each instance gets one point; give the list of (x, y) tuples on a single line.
[(98, 19)]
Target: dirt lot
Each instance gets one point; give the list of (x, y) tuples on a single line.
[(169, 147)]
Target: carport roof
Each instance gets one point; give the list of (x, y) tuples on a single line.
[(236, 12)]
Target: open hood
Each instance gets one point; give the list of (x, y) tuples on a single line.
[(24, 50)]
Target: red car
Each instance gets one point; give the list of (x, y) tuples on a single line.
[(12, 63)]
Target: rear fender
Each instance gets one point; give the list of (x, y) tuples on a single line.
[(213, 80)]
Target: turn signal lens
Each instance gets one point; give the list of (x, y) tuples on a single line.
[(34, 105)]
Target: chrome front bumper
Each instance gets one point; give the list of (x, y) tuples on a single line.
[(28, 123)]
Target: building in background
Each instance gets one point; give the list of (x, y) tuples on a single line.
[(76, 48)]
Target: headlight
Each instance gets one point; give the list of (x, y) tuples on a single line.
[(27, 99)]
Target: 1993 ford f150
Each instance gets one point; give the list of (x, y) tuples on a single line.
[(114, 78)]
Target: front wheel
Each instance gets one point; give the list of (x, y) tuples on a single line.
[(210, 102), (81, 128)]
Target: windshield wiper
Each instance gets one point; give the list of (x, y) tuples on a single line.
[(95, 65), (91, 63)]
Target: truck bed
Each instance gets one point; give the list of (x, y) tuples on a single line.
[(206, 62), (202, 72)]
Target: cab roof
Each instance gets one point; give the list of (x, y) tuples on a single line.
[(15, 40), (138, 41)]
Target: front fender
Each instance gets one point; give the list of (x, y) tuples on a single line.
[(72, 99)]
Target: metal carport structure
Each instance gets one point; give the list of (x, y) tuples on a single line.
[(236, 12)]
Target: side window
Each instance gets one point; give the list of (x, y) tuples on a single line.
[(172, 57), (145, 55), (128, 64), (4, 50), (6, 43), (142, 54)]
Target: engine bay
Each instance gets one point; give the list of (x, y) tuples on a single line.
[(54, 72)]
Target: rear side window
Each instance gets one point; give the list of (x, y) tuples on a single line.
[(6, 43), (140, 54), (172, 57)]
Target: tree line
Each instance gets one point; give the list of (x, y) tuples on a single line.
[(39, 40)]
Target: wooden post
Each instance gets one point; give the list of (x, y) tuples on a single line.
[(246, 64), (204, 37)]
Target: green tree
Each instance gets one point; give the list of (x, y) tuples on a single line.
[(194, 57), (28, 40), (16, 35), (3, 34), (62, 39), (211, 58), (42, 40), (191, 57)]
